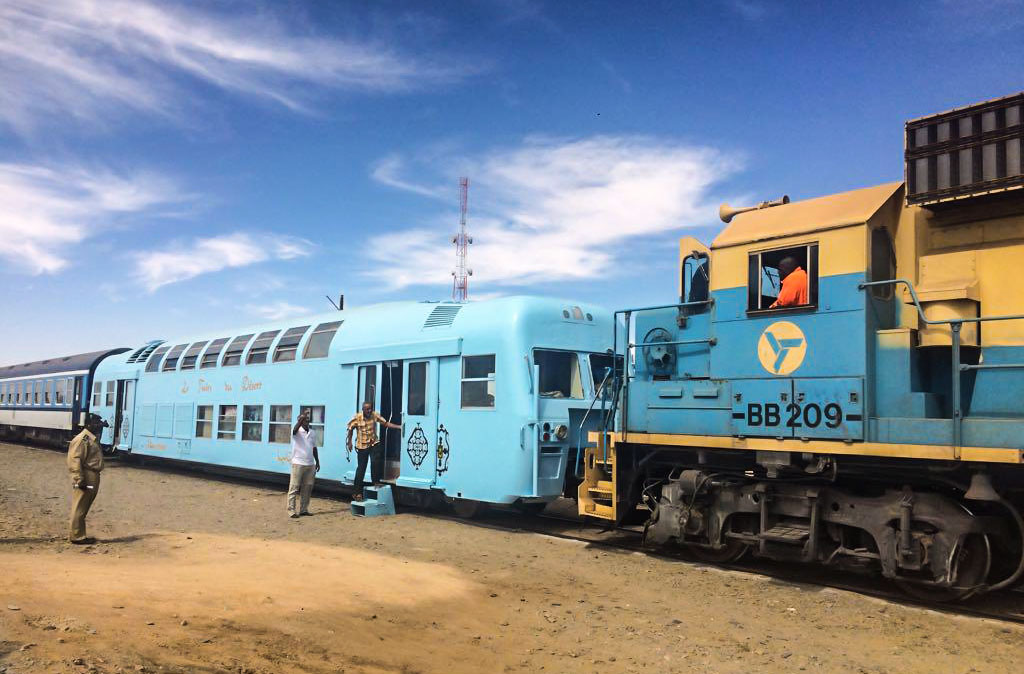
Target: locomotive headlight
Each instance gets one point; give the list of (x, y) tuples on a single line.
[(562, 432)]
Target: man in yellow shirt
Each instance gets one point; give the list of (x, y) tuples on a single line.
[(85, 461), (367, 445)]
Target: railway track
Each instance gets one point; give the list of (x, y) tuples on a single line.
[(1005, 607), (559, 521)]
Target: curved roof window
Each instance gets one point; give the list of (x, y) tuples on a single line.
[(289, 344), (171, 362), (233, 354), (153, 364), (260, 347), (210, 357), (188, 361), (320, 341)]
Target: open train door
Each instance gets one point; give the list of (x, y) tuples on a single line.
[(421, 458), (123, 413)]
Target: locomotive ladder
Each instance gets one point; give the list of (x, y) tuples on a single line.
[(597, 492)]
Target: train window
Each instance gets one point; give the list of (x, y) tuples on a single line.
[(233, 354), (59, 391), (97, 393), (478, 382), (153, 364), (3, 392), (559, 374), (188, 361), (281, 423), (48, 384), (18, 398), (320, 341), (252, 423), (695, 281), (289, 344), (111, 388), (317, 415), (260, 347), (210, 357), (171, 362), (204, 421), (600, 364), (784, 278), (36, 388), (227, 421), (368, 382), (417, 403)]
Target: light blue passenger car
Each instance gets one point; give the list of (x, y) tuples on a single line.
[(492, 397)]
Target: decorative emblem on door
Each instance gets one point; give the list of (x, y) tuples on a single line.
[(443, 449), (417, 447)]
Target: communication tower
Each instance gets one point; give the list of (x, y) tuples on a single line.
[(460, 286)]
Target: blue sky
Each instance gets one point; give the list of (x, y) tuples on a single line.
[(171, 168)]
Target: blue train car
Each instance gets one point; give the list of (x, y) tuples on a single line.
[(492, 397), (46, 401)]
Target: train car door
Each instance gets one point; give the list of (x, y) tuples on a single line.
[(421, 458), (123, 414)]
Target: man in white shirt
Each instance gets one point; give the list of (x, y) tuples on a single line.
[(305, 466)]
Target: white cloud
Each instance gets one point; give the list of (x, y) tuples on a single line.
[(88, 58), (553, 209), (46, 209), (181, 262), (273, 311)]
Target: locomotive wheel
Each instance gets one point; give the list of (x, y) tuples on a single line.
[(732, 551), (971, 561), (466, 509)]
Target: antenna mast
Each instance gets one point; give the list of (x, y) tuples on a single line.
[(460, 286)]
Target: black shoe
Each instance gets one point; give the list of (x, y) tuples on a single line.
[(306, 514), (294, 516), (88, 540)]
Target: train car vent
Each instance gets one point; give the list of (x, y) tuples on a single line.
[(442, 315), (143, 353)]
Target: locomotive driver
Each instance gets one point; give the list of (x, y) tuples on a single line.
[(85, 461), (794, 284), (367, 445)]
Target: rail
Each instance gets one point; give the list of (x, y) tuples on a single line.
[(957, 368), (601, 389), (621, 380)]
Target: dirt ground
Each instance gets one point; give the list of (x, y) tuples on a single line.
[(193, 574)]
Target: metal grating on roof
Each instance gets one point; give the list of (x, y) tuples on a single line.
[(442, 315), (143, 353)]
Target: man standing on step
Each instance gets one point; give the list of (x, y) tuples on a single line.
[(85, 461), (305, 466), (367, 446)]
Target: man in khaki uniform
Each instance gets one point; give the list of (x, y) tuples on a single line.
[(85, 461)]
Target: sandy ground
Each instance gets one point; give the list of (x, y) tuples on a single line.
[(193, 574)]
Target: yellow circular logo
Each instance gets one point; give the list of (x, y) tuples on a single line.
[(782, 347)]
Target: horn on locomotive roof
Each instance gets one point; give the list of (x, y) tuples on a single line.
[(727, 212)]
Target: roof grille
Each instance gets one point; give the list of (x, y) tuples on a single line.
[(442, 315), (143, 353)]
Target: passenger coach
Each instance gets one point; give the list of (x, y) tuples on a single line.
[(491, 396), (45, 401)]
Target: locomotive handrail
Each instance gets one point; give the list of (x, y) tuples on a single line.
[(943, 321), (623, 382), (600, 391), (958, 368), (710, 340)]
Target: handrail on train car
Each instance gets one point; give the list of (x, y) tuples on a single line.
[(623, 382), (955, 325)]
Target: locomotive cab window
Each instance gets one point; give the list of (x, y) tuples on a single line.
[(785, 278)]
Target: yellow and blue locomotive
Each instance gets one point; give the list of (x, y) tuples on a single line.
[(842, 378)]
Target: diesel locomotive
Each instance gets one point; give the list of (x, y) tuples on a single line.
[(877, 423)]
